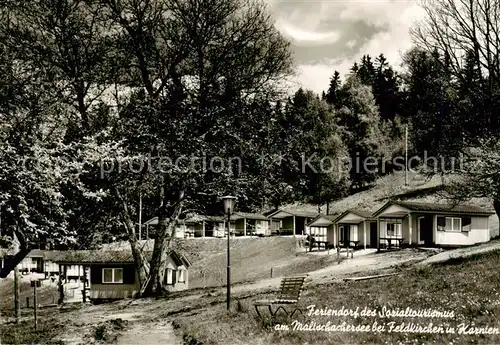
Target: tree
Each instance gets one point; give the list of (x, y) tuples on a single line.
[(431, 108), (151, 83), (466, 34), (366, 72), (314, 152), (386, 89), (360, 120), (478, 174), (335, 83), (197, 71)]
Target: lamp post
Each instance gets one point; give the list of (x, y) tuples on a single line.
[(228, 202)]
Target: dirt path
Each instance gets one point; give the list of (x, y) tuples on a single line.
[(149, 334)]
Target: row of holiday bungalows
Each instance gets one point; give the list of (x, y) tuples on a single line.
[(283, 222), (395, 223), (405, 223)]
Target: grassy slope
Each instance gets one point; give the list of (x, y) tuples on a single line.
[(45, 295), (251, 259), (468, 287)]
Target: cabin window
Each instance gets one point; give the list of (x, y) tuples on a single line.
[(318, 233), (393, 229), (466, 223), (112, 275), (33, 260), (453, 224)]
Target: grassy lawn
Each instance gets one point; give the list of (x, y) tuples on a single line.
[(470, 288)]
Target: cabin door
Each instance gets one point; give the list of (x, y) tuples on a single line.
[(373, 234), (39, 265), (345, 231), (425, 229)]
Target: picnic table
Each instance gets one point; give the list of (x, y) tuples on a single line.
[(321, 243), (325, 244), (390, 239)]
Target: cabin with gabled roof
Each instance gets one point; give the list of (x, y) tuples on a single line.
[(356, 228), (432, 224), (111, 274)]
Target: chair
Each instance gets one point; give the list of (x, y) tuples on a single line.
[(289, 294)]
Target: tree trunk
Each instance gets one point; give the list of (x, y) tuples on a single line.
[(17, 285), (141, 264), (167, 219)]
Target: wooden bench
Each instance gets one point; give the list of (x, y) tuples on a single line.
[(289, 294), (390, 239)]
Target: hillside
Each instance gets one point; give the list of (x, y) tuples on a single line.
[(209, 258)]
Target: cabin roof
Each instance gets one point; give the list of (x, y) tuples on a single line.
[(189, 219), (289, 212), (109, 256), (361, 213), (434, 207), (329, 217), (249, 215)]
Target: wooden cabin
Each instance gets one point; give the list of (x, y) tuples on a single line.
[(290, 222), (356, 228), (432, 224), (112, 275)]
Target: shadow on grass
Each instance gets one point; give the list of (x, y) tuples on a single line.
[(461, 259)]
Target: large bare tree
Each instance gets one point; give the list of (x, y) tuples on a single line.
[(463, 31), (466, 33)]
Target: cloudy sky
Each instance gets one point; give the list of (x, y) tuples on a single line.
[(330, 35)]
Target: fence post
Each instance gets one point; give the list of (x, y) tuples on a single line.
[(35, 306)]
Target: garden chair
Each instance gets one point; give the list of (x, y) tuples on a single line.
[(289, 295)]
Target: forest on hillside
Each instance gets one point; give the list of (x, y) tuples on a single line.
[(104, 103)]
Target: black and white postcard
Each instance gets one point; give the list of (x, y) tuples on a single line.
[(205, 172)]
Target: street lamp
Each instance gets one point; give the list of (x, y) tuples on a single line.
[(228, 202)]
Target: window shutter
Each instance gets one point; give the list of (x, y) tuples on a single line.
[(95, 275), (466, 224), (441, 223), (128, 274), (174, 277)]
